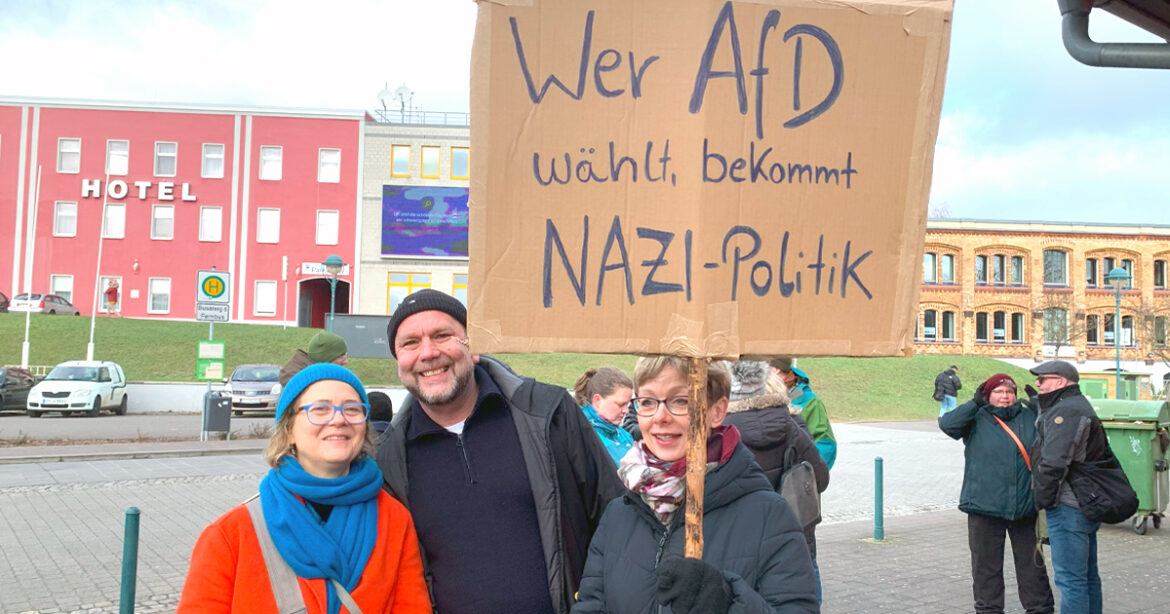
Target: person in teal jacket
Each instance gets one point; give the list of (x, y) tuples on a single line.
[(811, 408), (604, 395), (997, 493)]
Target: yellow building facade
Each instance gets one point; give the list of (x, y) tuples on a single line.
[(1039, 290)]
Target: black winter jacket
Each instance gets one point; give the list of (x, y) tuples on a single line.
[(996, 480), (572, 476), (767, 430), (947, 384), (749, 532), (1068, 431)]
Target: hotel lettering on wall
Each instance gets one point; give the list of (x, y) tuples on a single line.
[(119, 189)]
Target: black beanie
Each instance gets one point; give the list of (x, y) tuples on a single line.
[(424, 300)]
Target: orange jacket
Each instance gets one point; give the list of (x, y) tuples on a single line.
[(227, 572)]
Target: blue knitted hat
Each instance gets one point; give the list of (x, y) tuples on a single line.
[(313, 374)]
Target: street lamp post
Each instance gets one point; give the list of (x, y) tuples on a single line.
[(333, 265), (1117, 278)]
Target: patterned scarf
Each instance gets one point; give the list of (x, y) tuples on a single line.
[(662, 484), (338, 548)]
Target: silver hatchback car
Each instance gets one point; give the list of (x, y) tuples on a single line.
[(254, 388)]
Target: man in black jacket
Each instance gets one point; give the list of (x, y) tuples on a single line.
[(504, 476), (1068, 431), (946, 389)]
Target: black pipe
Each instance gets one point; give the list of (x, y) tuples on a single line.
[(1075, 33)]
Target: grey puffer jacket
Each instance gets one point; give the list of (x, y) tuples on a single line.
[(749, 533)]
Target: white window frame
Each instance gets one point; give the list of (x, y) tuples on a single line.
[(322, 238), (150, 294), (58, 207), (114, 233), (328, 165), (53, 289), (75, 167), (110, 154), (205, 227), (262, 234), (159, 155), (212, 156), (259, 299), (103, 304), (271, 163), (156, 214)]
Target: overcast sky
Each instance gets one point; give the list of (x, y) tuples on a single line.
[(1027, 133)]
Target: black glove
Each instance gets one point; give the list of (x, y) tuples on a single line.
[(1030, 391), (690, 585), (980, 397)]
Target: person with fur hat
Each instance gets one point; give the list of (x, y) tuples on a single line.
[(997, 429), (322, 533), (323, 347), (754, 557), (505, 477), (811, 408), (769, 430)]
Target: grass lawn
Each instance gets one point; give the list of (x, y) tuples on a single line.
[(854, 389)]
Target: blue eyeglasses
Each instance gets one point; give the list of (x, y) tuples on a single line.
[(321, 413)]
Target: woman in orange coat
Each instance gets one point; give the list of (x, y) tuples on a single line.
[(322, 534)]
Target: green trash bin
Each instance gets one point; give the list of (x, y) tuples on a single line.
[(1137, 432)]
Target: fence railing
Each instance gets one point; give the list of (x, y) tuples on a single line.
[(422, 118)]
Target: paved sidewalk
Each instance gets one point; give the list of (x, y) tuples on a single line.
[(117, 451), (923, 566)]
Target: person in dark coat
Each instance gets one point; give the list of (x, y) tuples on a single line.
[(754, 557), (946, 389), (768, 429), (505, 476), (997, 494), (1068, 432)]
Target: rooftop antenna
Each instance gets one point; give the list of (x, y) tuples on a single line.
[(403, 95)]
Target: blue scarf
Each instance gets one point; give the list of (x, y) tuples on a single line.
[(337, 549)]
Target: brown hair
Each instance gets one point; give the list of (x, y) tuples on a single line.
[(603, 381), (718, 375), (280, 443)]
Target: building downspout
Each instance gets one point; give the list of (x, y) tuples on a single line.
[(1075, 32)]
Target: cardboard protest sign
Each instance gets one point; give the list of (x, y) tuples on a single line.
[(708, 179)]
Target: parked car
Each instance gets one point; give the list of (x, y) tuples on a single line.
[(254, 388), (14, 386), (3, 302), (42, 303), (80, 386)]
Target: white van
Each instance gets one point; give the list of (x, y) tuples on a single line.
[(80, 386)]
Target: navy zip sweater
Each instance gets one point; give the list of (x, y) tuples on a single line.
[(473, 508)]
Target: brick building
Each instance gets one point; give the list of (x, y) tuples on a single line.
[(1034, 290), (149, 194)]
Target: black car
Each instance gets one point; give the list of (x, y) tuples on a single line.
[(14, 386)]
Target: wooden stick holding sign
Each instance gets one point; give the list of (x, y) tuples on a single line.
[(696, 456)]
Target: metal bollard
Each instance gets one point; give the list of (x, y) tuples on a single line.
[(879, 532), (129, 562)]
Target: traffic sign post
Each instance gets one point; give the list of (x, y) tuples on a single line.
[(212, 312)]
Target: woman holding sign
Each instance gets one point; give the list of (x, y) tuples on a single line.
[(754, 559)]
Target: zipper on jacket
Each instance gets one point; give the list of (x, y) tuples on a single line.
[(662, 543), (466, 458)]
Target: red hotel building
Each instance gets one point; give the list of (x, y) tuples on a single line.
[(263, 194)]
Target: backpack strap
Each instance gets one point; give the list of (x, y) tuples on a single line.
[(1012, 434)]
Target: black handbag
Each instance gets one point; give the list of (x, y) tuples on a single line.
[(798, 486), (1102, 490)]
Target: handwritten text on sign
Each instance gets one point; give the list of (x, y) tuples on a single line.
[(658, 171)]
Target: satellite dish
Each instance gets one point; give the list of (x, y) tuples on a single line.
[(385, 97), (403, 94)]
